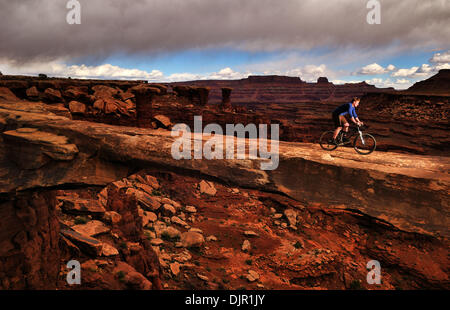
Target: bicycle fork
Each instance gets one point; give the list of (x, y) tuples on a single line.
[(361, 136)]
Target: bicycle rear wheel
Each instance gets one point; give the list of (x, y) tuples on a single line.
[(365, 145), (326, 141)]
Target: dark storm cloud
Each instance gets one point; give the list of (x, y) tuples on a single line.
[(37, 29)]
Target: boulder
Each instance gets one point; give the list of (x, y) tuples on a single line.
[(76, 107), (146, 188), (156, 242), (58, 109), (190, 209), (146, 201), (86, 244), (109, 250), (171, 202), (104, 92), (30, 148), (99, 104), (162, 121), (171, 232), (32, 93), (211, 238), (91, 228), (53, 95), (291, 216), (147, 217), (112, 217), (124, 96), (131, 278), (77, 206), (111, 106), (250, 233), (175, 268), (207, 188), (252, 276), (178, 221), (246, 246), (168, 209), (192, 239), (78, 94), (152, 181)]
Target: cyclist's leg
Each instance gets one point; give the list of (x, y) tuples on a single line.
[(337, 125), (345, 123)]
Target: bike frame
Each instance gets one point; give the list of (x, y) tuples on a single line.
[(352, 133)]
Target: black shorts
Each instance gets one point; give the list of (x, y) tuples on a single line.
[(336, 120)]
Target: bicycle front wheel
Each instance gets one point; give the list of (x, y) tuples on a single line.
[(365, 144), (326, 141)]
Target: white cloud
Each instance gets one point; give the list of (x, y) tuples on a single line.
[(177, 77), (375, 69), (59, 69), (108, 71), (441, 57), (337, 81), (223, 74), (438, 61), (410, 72), (372, 69), (443, 66), (227, 74), (390, 68), (424, 71), (397, 84)]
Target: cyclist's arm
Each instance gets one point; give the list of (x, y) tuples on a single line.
[(354, 116)]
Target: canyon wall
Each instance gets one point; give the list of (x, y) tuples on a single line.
[(282, 89), (69, 188), (401, 121)]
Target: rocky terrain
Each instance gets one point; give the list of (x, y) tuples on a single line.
[(283, 89), (413, 121), (87, 174), (402, 121)]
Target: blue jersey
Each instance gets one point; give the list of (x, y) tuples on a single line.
[(346, 108)]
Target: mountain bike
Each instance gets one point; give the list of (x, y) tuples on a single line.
[(363, 143)]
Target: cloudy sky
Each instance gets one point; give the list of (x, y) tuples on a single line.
[(173, 40)]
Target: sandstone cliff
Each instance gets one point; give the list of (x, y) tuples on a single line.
[(114, 198)]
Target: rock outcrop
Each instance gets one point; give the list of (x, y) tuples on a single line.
[(414, 187), (29, 250), (114, 198), (282, 89), (438, 84)]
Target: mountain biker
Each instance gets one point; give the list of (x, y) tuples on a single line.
[(340, 120)]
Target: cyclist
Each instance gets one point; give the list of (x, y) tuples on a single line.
[(340, 120)]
